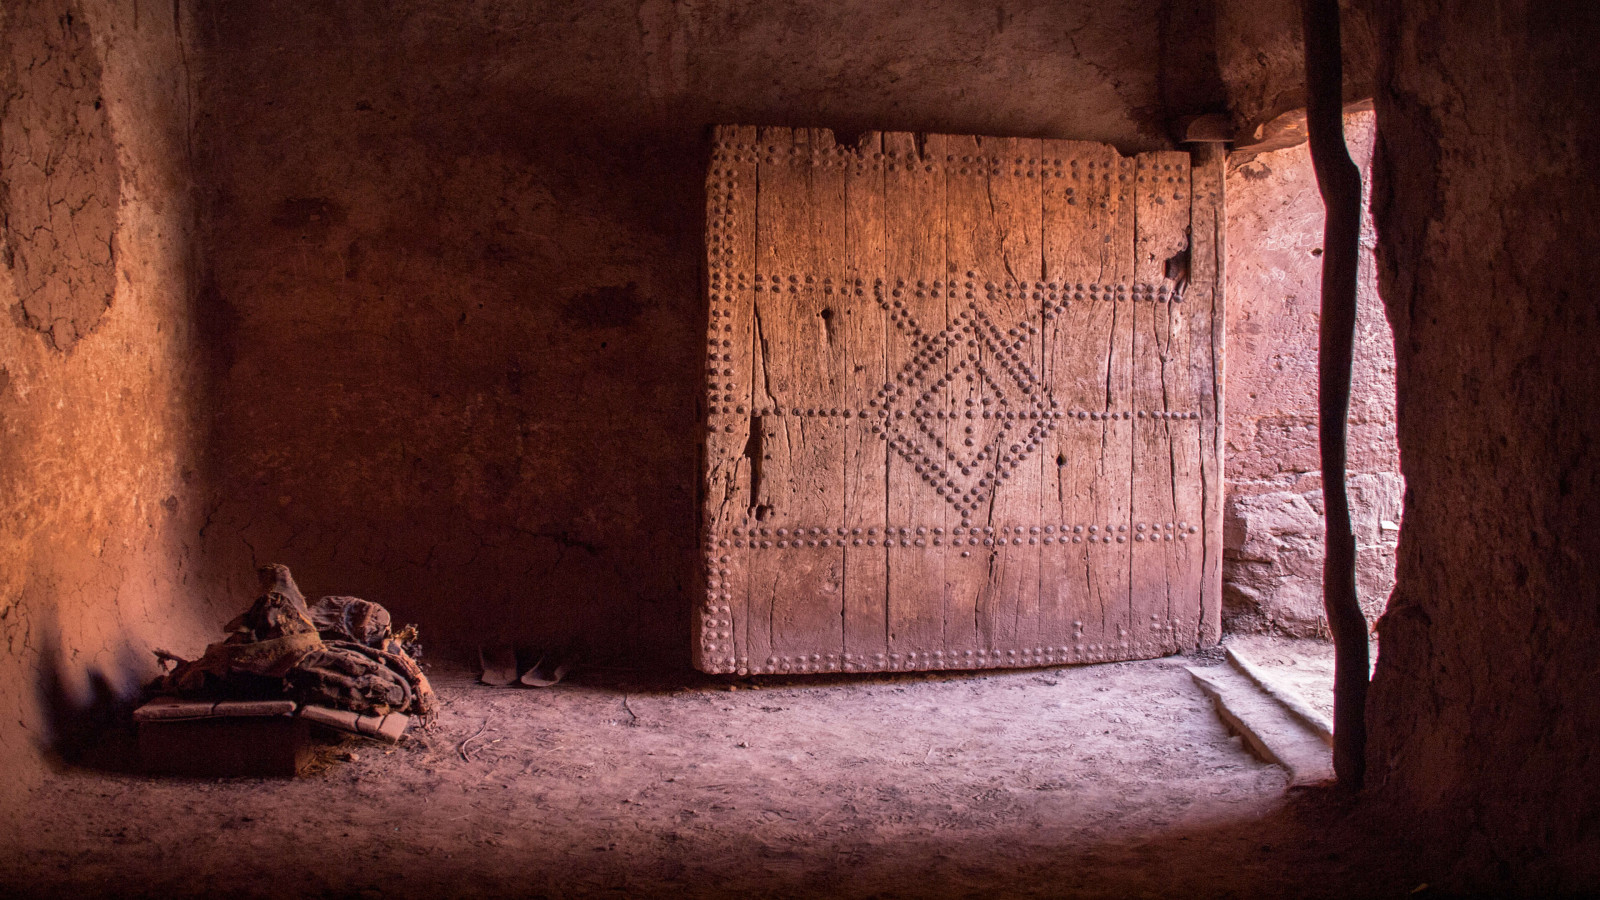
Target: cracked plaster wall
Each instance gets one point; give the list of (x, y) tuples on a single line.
[(59, 178), (99, 431), (1272, 515), (455, 270)]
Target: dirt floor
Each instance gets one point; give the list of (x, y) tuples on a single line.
[(1098, 781)]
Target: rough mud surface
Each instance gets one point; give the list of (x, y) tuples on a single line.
[(58, 173), (1260, 59), (1115, 780)]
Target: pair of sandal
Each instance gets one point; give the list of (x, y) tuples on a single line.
[(499, 665)]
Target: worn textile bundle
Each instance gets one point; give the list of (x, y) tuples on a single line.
[(339, 652)]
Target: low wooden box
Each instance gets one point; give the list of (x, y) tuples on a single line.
[(220, 740)]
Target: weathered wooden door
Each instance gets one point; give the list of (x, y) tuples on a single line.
[(962, 403)]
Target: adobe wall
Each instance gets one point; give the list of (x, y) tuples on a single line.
[(1483, 710), (1260, 60), (100, 466), (455, 270), (1272, 515)]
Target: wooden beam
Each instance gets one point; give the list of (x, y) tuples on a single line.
[(1340, 183)]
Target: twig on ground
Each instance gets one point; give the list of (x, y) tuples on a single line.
[(461, 748)]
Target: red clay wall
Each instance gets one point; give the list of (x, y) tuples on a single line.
[(100, 467), (1483, 710), (1273, 528), (456, 270)]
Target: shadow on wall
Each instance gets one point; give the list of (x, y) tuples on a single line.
[(88, 718)]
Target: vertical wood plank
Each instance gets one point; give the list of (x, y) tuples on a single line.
[(1000, 233), (973, 249), (799, 211), (826, 219), (1164, 477), (1089, 341), (774, 451), (727, 488), (863, 324), (1088, 255), (914, 211), (1206, 315)]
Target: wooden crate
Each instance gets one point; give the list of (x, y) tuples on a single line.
[(220, 740)]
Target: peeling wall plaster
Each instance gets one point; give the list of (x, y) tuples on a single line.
[(59, 175)]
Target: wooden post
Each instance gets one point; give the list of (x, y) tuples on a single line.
[(1340, 183)]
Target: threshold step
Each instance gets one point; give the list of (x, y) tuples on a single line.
[(1288, 696), (1269, 728)]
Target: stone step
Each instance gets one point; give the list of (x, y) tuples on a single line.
[(1271, 730), (1288, 696)]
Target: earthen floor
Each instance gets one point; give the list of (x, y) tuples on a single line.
[(1101, 781)]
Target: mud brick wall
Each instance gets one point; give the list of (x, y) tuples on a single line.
[(1273, 527)]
